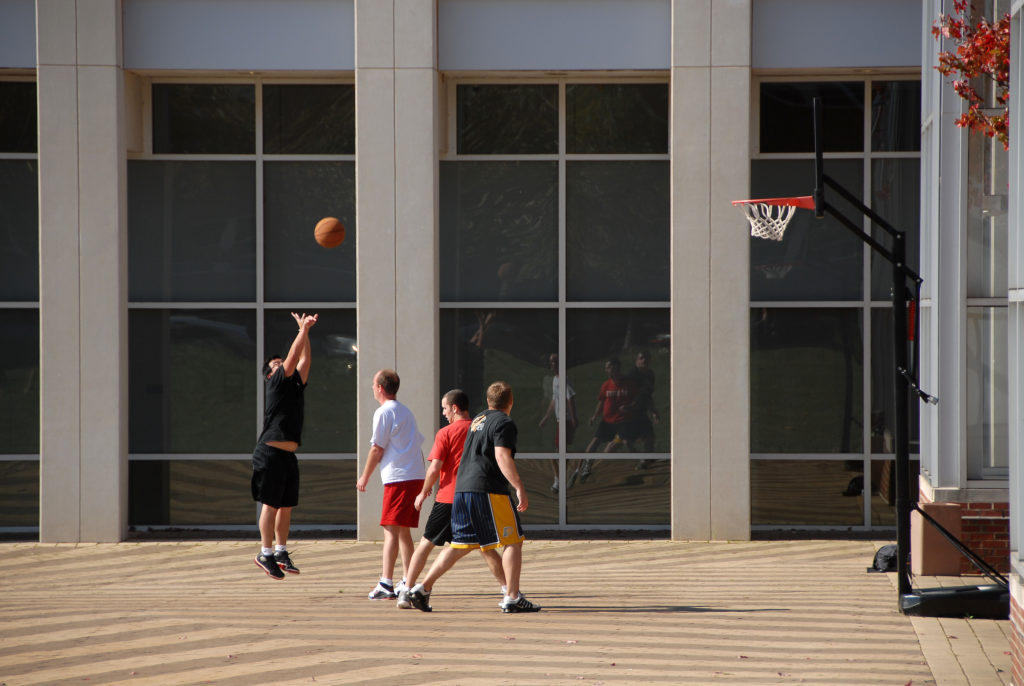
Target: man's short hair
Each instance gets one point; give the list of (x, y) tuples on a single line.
[(499, 395), (457, 398), (266, 365), (614, 361), (389, 381)]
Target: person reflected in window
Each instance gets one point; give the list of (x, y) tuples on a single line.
[(644, 415), (571, 421), (616, 402)]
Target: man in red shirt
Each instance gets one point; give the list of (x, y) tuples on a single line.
[(616, 402)]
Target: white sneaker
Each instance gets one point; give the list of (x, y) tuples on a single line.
[(382, 592), (403, 602)]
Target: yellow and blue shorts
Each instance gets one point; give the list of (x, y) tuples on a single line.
[(485, 520)]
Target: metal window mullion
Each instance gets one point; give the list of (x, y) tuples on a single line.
[(562, 374), (260, 305)]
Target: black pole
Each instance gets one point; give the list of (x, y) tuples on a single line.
[(901, 409)]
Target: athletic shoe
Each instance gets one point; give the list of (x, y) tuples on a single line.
[(382, 591), (585, 471), (269, 565), (504, 592), (403, 602), (285, 562), (401, 587), (520, 604), (554, 485), (419, 597)]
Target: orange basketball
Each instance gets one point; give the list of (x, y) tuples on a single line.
[(329, 232)]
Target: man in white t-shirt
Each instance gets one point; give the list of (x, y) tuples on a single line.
[(395, 446)]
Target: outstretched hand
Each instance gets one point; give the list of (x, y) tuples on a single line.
[(305, 320)]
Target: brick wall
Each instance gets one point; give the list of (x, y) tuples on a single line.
[(986, 531)]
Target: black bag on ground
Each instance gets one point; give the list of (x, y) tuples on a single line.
[(886, 559)]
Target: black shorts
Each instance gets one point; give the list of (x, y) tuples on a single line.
[(438, 529), (275, 477), (607, 432)]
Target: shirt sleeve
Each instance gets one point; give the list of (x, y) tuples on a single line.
[(440, 448), (382, 420), (505, 435)]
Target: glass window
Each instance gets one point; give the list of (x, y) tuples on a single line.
[(806, 381), (296, 196), (787, 117), (330, 396), (19, 381), (19, 493), (507, 120), (192, 386), (883, 371), (537, 475), (191, 231), (479, 347), (620, 492), (309, 119), (616, 118), (617, 231), (883, 490), (895, 115), (19, 229), (18, 116), (895, 196), (499, 231), (987, 404), (202, 119), (805, 492), (987, 218), (819, 259)]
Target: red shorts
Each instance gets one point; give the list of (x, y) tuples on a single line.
[(399, 508)]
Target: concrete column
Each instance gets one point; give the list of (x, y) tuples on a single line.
[(396, 206), (710, 151), (82, 246)]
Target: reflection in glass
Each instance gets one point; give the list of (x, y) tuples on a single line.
[(197, 119), (638, 339), (987, 217), (499, 231), (192, 386), (507, 120), (806, 381), (617, 231), (616, 118), (479, 347), (19, 493), (296, 195), (787, 117), (309, 119), (536, 476), (987, 403), (895, 196), (883, 490), (19, 229), (217, 492), (896, 115), (330, 396), (883, 370), (819, 259), (191, 231), (620, 492), (806, 492), (19, 382), (18, 122)]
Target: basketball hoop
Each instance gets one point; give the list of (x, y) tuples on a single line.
[(769, 217)]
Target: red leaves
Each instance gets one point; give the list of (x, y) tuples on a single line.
[(981, 60)]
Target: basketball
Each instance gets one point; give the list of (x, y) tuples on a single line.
[(329, 232)]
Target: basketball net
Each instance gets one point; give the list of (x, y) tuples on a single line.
[(769, 217)]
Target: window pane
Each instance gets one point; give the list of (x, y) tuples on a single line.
[(895, 115), (19, 229), (617, 231), (617, 492), (638, 339), (19, 382), (987, 218), (537, 476), (192, 381), (18, 116), (803, 492), (191, 231), (883, 370), (330, 397), (19, 493), (818, 259), (309, 119), (499, 231), (896, 196), (479, 347), (806, 381), (204, 118), (987, 403), (787, 116), (507, 120), (296, 195), (883, 490), (616, 118)]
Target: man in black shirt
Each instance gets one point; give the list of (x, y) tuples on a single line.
[(275, 469)]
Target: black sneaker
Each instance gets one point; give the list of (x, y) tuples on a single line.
[(419, 598), (285, 562), (520, 604), (269, 565)]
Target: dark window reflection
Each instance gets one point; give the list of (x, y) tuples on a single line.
[(895, 115), (883, 372), (19, 229), (309, 119), (499, 231), (616, 118), (19, 382), (296, 196), (19, 493), (507, 120), (895, 196), (18, 123), (617, 231), (787, 118), (806, 381), (882, 490), (204, 118), (537, 475), (620, 492), (192, 384), (804, 493)]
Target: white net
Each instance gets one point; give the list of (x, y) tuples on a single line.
[(768, 221)]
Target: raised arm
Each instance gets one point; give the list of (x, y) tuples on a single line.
[(299, 356)]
